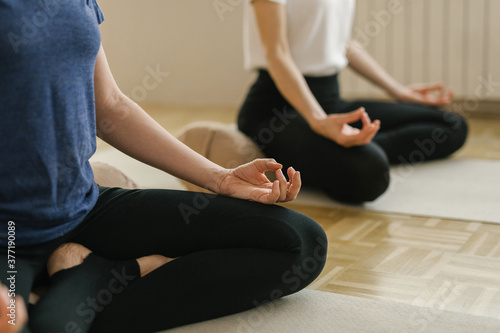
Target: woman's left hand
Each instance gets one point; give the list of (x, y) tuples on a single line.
[(249, 182), (428, 94)]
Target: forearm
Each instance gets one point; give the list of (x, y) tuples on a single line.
[(271, 20), (365, 65), (127, 127), (294, 88)]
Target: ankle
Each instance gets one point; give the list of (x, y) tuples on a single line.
[(150, 263), (66, 256)]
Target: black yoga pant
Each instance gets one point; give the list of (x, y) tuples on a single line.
[(409, 133), (232, 255)]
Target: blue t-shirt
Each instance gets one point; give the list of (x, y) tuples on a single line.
[(48, 50)]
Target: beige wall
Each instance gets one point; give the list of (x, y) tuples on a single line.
[(202, 51), (187, 39)]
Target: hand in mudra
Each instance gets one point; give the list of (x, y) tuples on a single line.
[(426, 94), (336, 127), (249, 182)]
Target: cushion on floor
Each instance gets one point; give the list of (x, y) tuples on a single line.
[(109, 176), (221, 143)]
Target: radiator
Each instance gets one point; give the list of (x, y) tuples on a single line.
[(456, 42)]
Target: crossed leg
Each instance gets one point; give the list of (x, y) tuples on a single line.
[(79, 279), (232, 255)]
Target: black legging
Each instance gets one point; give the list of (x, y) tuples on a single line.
[(232, 255), (409, 133)]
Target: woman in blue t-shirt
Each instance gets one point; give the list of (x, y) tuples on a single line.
[(109, 251), (298, 48)]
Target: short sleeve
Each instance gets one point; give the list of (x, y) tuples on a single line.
[(98, 13)]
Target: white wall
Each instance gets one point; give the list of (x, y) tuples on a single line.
[(187, 38), (203, 53)]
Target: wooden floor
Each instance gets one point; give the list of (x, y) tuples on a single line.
[(434, 263)]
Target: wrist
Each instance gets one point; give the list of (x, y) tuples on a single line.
[(316, 121), (218, 177), (396, 90)]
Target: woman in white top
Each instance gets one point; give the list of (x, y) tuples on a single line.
[(295, 114)]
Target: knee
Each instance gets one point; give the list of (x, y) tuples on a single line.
[(314, 254), (445, 139), (314, 245), (460, 132), (369, 188), (311, 253), (366, 178)]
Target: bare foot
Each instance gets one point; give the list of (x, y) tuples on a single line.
[(71, 254), (66, 256), (13, 312), (150, 263)]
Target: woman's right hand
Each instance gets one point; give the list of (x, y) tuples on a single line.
[(336, 127)]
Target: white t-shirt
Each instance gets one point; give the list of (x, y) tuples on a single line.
[(318, 31)]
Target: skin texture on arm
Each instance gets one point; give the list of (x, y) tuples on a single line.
[(272, 24), (365, 65), (126, 126)]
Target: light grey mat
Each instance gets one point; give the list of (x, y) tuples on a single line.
[(311, 311), (461, 189)]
